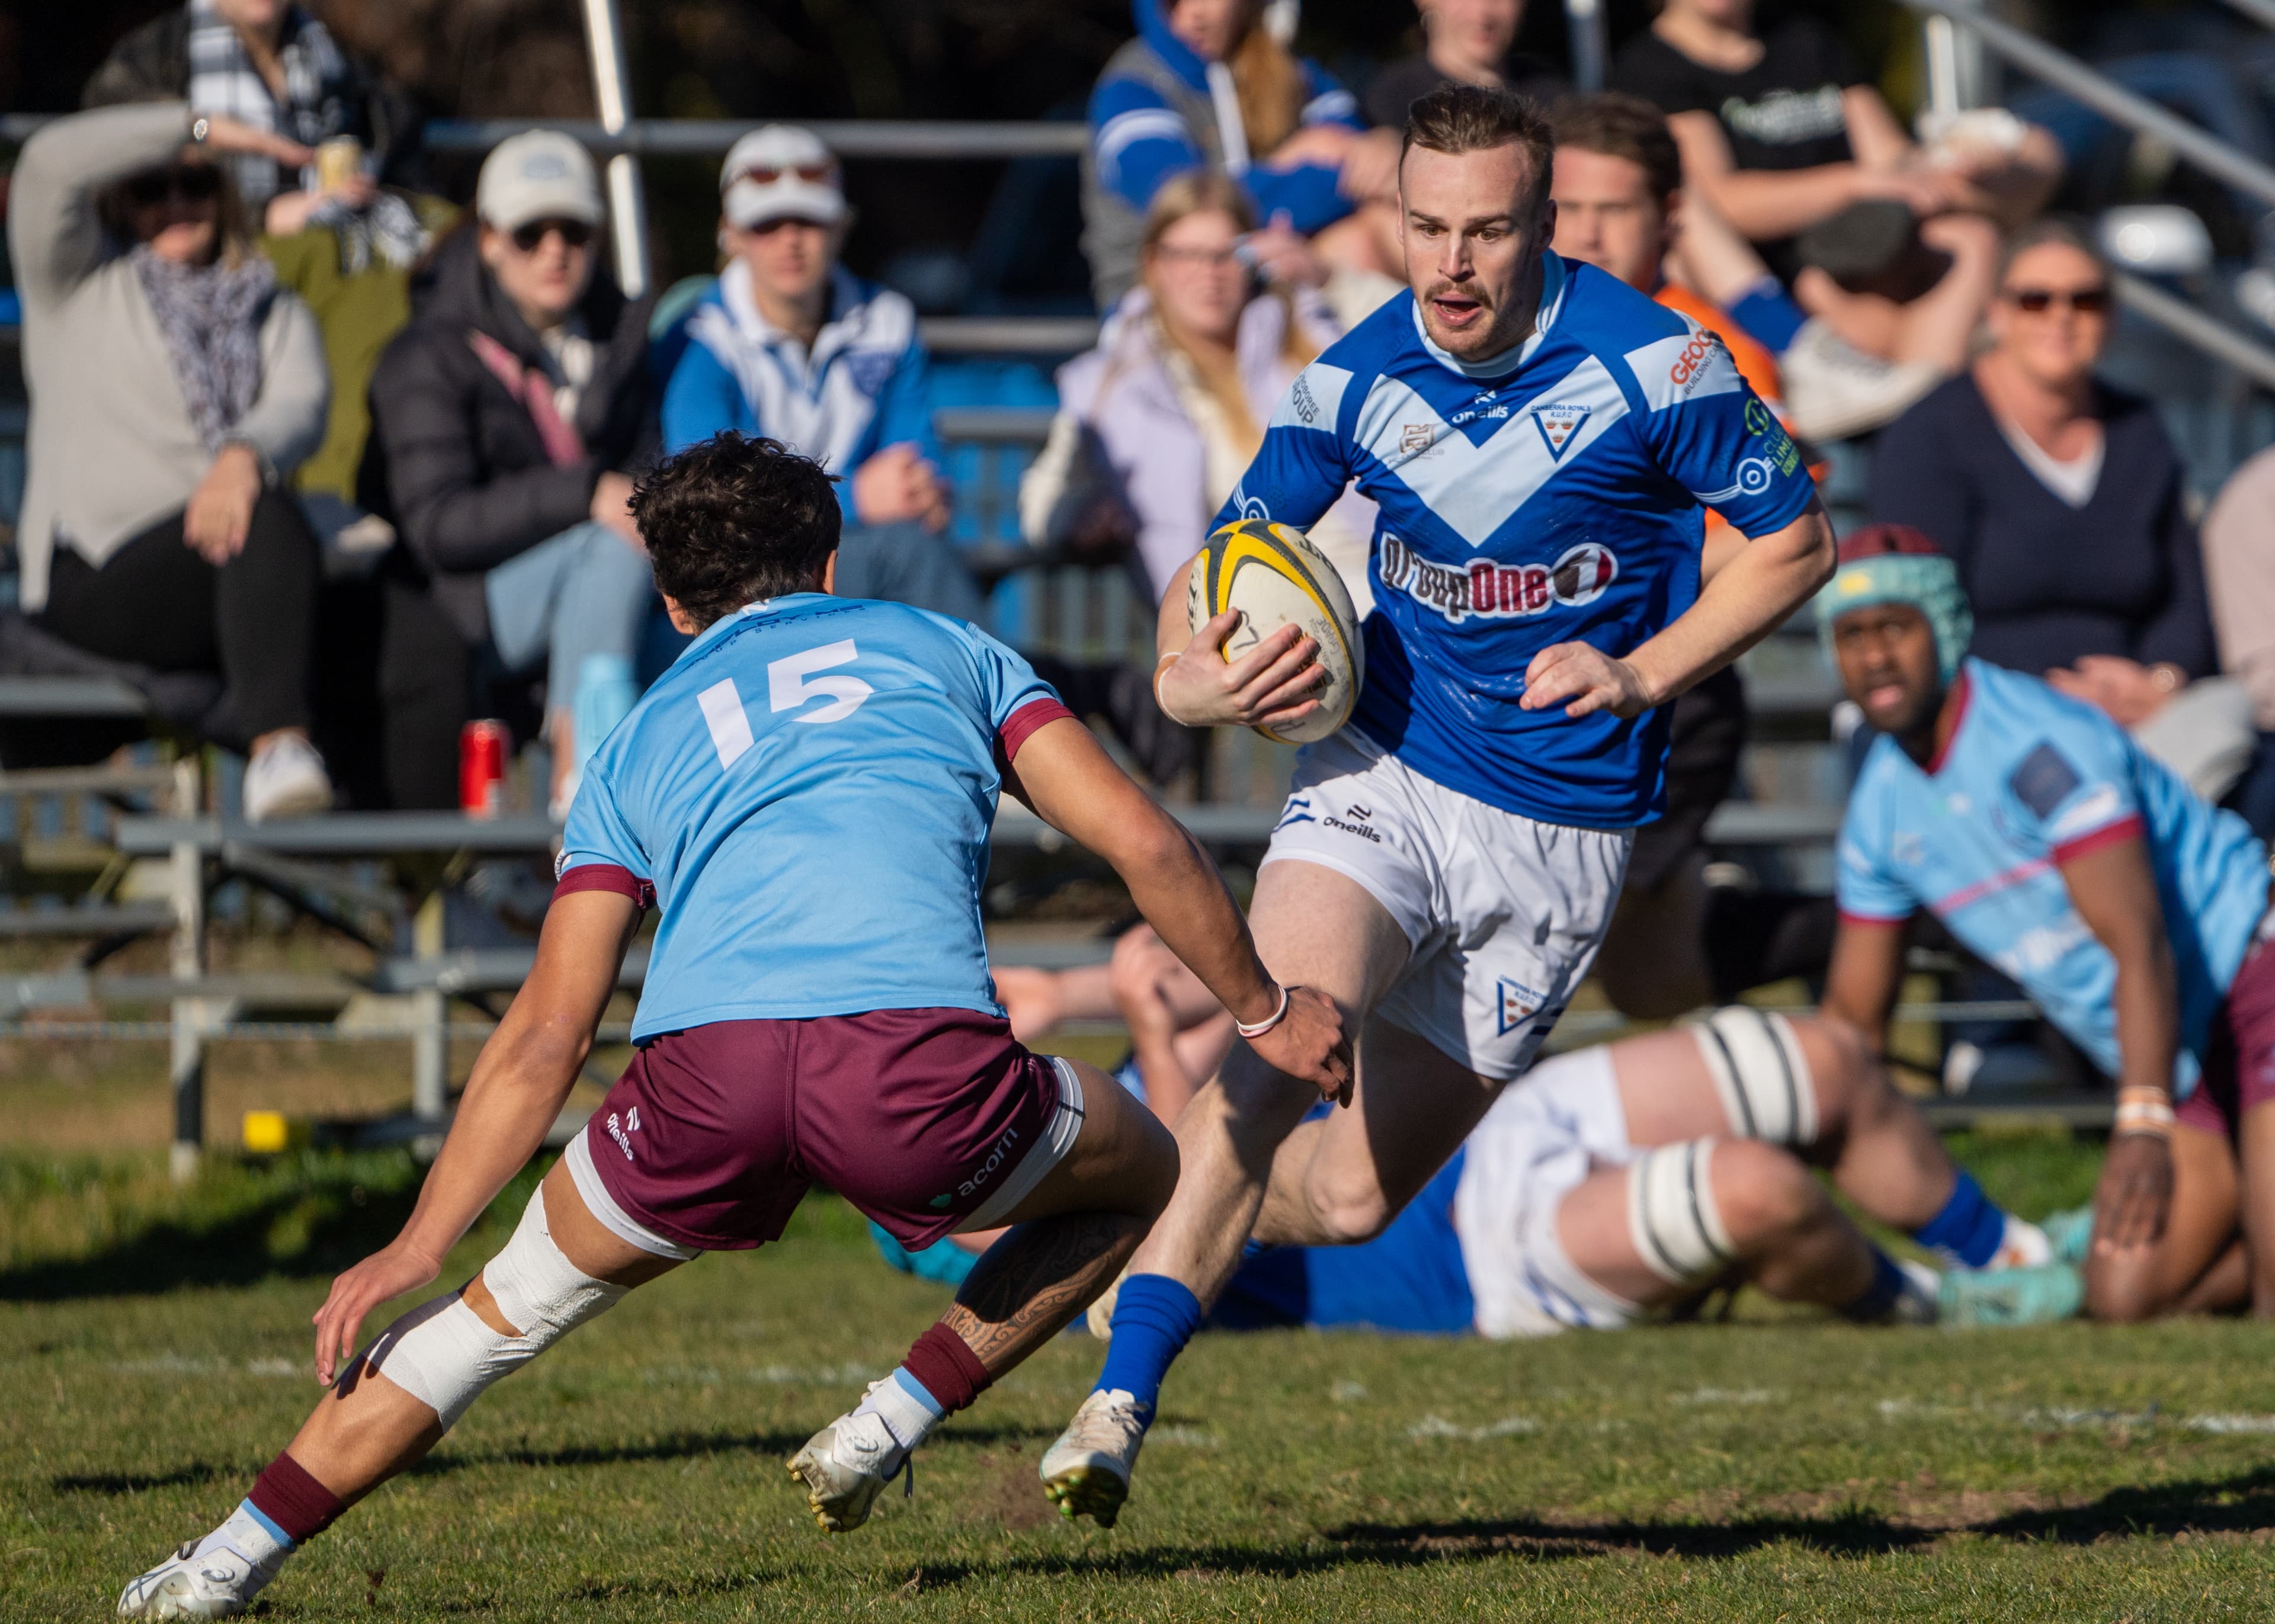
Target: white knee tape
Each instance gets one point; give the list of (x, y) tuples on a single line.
[(443, 1354), (1761, 1073), (1672, 1217)]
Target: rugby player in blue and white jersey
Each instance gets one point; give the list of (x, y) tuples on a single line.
[(2134, 915), (806, 796), (1539, 440)]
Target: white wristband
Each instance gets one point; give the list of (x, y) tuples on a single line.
[(1267, 1023), (1160, 704), (2147, 1110)]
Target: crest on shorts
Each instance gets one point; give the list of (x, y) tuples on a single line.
[(1557, 424), (1519, 1003)]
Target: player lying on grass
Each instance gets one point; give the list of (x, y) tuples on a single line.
[(1620, 1184), (806, 796), (2134, 915), (1538, 439)]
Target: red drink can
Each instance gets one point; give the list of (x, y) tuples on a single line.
[(481, 769)]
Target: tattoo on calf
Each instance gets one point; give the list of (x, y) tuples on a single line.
[(1037, 1279)]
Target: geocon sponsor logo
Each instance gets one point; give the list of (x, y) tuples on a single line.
[(1484, 590)]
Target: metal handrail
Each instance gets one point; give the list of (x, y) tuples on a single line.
[(2261, 11), (2110, 99), (854, 138), (2191, 326)]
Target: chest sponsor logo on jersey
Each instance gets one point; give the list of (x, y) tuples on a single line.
[(1691, 362), (1304, 403), (1483, 589), (1557, 424)]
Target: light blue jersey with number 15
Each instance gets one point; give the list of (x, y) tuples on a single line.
[(810, 788)]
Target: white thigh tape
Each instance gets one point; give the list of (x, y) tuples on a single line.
[(1058, 1135), (443, 1354), (1672, 1217), (1761, 1073)]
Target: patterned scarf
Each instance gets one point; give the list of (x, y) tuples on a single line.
[(210, 318)]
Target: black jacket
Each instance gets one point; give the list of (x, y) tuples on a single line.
[(455, 462), (152, 63)]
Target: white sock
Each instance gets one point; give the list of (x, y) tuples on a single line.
[(908, 1411), (2024, 1244), (253, 1536)]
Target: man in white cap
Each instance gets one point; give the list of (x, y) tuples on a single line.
[(507, 419), (792, 346)]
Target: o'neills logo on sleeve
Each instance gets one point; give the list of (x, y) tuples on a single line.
[(1493, 591)]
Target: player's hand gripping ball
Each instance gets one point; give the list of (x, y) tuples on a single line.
[(1272, 576)]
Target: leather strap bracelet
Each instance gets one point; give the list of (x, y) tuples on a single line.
[(1267, 1023)]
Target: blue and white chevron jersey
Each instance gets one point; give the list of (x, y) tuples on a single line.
[(1555, 497)]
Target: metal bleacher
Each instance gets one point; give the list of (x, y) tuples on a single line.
[(155, 817)]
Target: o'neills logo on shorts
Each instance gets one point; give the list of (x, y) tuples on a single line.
[(1496, 591)]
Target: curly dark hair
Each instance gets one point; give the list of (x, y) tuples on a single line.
[(733, 519)]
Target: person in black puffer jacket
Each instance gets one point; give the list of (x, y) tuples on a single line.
[(507, 420)]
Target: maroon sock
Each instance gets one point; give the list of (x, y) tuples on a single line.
[(294, 1501), (950, 1371)]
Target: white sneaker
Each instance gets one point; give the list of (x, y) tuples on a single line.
[(1920, 1302), (1087, 1473), (220, 1584), (286, 780), (844, 1467)]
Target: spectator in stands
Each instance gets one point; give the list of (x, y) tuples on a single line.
[(1782, 130), (791, 346), (173, 387), (507, 420), (2239, 549), (1157, 424), (275, 67), (1674, 943), (2063, 503), (1464, 42), (1205, 86)]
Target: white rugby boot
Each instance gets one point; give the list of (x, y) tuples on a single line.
[(219, 1584), (1086, 1472), (845, 1466)]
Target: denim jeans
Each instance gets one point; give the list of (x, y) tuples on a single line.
[(583, 592)]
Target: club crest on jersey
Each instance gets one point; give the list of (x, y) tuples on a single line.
[(1557, 424), (1415, 438), (1484, 589), (1519, 1003)]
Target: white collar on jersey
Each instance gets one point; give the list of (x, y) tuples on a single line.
[(1552, 283)]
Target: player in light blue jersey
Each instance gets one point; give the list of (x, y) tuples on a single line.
[(2135, 917), (806, 796), (1539, 439)]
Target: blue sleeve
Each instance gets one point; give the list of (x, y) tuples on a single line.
[(1768, 315), (1303, 462), (1326, 102), (1713, 435), (2073, 789), (903, 408), (1865, 885), (1306, 193), (1137, 140), (597, 832), (1008, 683), (701, 399)]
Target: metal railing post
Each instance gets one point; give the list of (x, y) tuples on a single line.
[(604, 35), (2261, 11), (187, 964), (430, 1038), (1591, 48)]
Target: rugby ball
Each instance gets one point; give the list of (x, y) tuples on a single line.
[(1276, 578)]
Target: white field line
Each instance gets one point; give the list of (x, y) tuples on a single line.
[(1438, 1426)]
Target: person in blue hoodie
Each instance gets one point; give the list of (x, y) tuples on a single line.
[(789, 345), (1206, 85)]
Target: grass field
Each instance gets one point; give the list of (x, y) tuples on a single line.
[(154, 1347)]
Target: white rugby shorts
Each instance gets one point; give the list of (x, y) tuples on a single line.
[(1502, 914), (1541, 1138)]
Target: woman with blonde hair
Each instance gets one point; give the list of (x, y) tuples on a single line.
[(174, 388), (1157, 424), (1209, 86)]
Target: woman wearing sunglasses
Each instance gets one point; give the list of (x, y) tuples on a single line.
[(507, 420), (173, 386), (2063, 500)]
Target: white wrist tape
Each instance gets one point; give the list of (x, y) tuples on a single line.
[(1762, 1074), (442, 1353), (1672, 1217)]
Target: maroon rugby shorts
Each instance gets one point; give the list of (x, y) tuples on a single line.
[(2238, 1069), (926, 1120)]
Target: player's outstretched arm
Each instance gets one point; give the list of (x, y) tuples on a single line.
[(1866, 974), (1073, 785), (1747, 599), (523, 1075), (2115, 890)]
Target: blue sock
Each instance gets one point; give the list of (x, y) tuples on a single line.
[(1969, 1228), (1154, 1317), (1880, 1296)]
